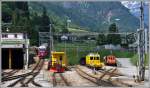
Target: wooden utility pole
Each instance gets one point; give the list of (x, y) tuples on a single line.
[(10, 53)]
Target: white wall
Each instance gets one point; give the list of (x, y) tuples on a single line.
[(12, 36), (110, 46)]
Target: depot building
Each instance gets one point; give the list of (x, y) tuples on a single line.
[(14, 50)]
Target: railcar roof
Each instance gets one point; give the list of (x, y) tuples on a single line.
[(93, 54), (58, 52)]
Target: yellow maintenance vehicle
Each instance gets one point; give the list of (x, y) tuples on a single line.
[(92, 60), (58, 62)]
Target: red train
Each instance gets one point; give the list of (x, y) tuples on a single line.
[(110, 60), (42, 52)]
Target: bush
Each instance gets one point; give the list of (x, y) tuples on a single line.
[(134, 59), (117, 53)]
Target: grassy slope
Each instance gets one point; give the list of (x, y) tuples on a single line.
[(75, 51), (135, 58), (77, 30)]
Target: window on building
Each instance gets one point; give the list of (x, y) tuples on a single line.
[(15, 35), (91, 58), (97, 58), (4, 36)]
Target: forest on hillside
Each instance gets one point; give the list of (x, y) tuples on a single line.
[(32, 17)]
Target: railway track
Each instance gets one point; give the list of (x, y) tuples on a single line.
[(87, 76), (26, 82), (59, 80), (114, 73), (8, 78), (10, 73), (96, 80), (104, 79), (3, 72), (22, 78)]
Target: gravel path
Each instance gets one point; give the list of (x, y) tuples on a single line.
[(129, 70), (126, 67), (76, 80)]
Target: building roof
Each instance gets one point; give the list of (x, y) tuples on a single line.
[(11, 33)]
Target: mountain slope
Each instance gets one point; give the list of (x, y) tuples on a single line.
[(94, 16), (134, 7)]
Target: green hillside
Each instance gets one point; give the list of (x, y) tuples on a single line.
[(73, 30), (32, 17), (93, 16)]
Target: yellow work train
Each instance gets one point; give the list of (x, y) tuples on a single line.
[(58, 62), (92, 60)]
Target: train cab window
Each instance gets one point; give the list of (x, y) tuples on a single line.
[(91, 58), (97, 58), (60, 58), (110, 58)]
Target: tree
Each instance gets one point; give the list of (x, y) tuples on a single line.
[(64, 29), (6, 13), (45, 21), (113, 38), (23, 8), (21, 21), (101, 39)]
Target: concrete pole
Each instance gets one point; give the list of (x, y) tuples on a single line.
[(65, 45), (138, 49), (146, 50), (0, 40), (141, 46), (77, 52), (39, 39), (50, 42), (26, 52)]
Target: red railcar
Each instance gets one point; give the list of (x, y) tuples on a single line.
[(42, 53), (111, 60)]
